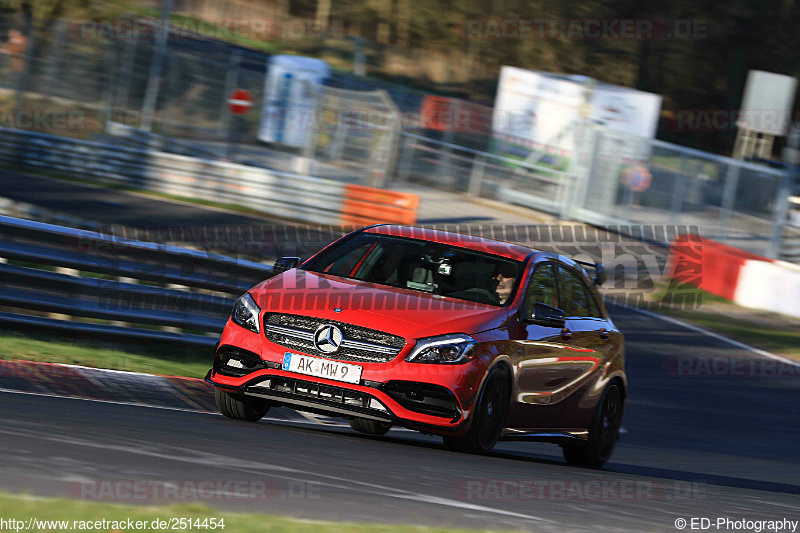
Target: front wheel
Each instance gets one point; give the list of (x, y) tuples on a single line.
[(488, 417), (603, 434), (370, 427), (240, 408)]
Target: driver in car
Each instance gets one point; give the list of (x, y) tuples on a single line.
[(505, 277)]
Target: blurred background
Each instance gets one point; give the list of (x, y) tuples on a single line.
[(605, 113)]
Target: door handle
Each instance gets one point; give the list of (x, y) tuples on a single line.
[(604, 334), (566, 334)]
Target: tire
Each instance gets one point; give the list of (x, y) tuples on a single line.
[(370, 427), (603, 433), (239, 408), (488, 417)]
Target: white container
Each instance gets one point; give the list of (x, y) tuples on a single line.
[(290, 94)]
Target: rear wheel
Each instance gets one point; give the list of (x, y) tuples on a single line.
[(239, 408), (603, 434), (370, 427), (488, 417)]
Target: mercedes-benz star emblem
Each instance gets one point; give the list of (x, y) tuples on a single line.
[(328, 338)]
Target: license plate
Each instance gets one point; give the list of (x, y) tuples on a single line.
[(321, 368)]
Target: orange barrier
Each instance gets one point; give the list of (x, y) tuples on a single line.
[(364, 205), (451, 114)]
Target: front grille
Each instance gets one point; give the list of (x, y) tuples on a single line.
[(358, 343)]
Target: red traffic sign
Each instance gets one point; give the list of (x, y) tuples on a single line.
[(637, 178), (240, 102)]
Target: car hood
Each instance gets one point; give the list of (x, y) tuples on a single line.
[(410, 314)]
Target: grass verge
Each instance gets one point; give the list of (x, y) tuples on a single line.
[(23, 508), (775, 333), (153, 359)]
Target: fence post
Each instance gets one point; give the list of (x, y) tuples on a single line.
[(780, 213), (678, 192), (157, 65), (790, 157), (572, 195), (310, 148), (392, 141), (27, 55), (55, 56), (445, 162), (406, 158), (728, 198), (476, 176), (168, 119), (231, 81), (128, 60), (108, 90)]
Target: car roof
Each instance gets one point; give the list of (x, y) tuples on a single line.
[(508, 250)]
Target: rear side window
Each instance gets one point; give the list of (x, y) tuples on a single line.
[(594, 310), (574, 297)]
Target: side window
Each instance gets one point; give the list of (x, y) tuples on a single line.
[(594, 310), (574, 300), (542, 288)]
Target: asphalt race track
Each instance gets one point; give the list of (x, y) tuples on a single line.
[(712, 446)]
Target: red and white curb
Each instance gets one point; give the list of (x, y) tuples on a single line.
[(745, 278), (124, 388)]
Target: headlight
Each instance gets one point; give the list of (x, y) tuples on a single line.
[(245, 312), (444, 349)]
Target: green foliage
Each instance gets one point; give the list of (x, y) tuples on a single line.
[(702, 67), (45, 12)]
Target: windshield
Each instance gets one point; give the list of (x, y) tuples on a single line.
[(422, 266)]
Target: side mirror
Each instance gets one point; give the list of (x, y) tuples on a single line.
[(599, 274), (546, 315), (599, 271), (284, 263)]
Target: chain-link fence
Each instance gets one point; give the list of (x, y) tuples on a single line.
[(49, 81), (72, 79), (733, 201), (96, 82), (623, 181), (457, 168)]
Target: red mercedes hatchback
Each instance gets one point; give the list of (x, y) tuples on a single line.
[(469, 338)]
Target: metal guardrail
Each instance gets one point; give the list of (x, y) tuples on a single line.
[(31, 291), (282, 194)]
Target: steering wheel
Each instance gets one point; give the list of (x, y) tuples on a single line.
[(491, 297)]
